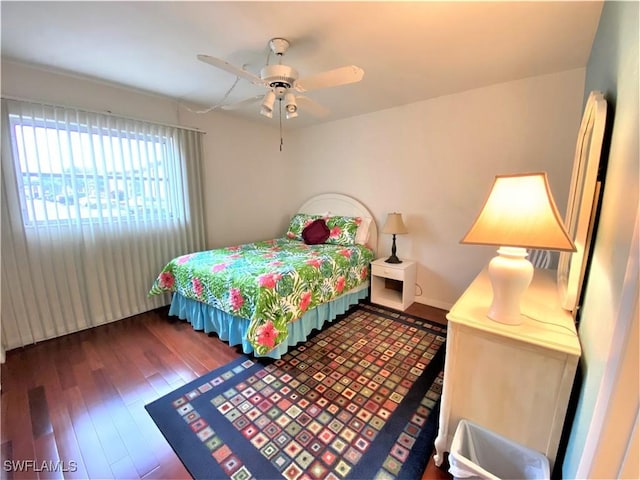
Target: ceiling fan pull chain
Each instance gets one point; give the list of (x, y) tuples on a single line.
[(280, 108)]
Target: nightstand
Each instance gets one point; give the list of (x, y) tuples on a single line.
[(393, 285)]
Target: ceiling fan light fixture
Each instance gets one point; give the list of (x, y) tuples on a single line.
[(267, 104), (290, 105)]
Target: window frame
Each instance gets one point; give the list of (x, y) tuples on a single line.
[(166, 208)]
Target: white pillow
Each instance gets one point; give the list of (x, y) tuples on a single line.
[(362, 235)]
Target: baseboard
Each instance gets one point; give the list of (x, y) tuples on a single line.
[(431, 302)]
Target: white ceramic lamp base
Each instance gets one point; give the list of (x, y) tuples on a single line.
[(510, 273)]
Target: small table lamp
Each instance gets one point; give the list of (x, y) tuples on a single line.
[(519, 213), (395, 226)]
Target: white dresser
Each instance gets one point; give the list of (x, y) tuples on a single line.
[(513, 380)]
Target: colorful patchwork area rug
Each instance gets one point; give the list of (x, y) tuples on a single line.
[(358, 400)]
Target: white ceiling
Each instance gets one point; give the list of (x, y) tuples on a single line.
[(410, 51)]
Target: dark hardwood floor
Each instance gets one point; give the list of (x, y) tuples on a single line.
[(73, 407)]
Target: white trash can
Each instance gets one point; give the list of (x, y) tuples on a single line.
[(480, 453)]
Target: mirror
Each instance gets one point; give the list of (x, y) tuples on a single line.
[(583, 199)]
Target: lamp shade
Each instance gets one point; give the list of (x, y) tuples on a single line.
[(394, 224), (520, 212)]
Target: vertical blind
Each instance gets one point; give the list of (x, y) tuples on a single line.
[(93, 206)]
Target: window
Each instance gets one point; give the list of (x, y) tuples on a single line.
[(68, 171), (92, 206)]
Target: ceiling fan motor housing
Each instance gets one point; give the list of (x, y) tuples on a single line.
[(279, 77)]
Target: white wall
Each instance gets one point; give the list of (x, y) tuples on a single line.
[(246, 180), (434, 162), (27, 82)]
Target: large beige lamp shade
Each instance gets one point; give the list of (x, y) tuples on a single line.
[(519, 213), (395, 226)]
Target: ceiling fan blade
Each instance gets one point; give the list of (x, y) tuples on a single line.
[(227, 67), (242, 103), (311, 106), (330, 78)]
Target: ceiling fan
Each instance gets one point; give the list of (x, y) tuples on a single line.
[(282, 83)]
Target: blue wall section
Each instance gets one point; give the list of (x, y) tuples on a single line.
[(612, 69)]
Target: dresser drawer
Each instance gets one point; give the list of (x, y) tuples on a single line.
[(386, 272)]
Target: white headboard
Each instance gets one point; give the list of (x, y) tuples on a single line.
[(338, 204)]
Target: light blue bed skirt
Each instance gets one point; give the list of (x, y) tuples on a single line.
[(232, 329)]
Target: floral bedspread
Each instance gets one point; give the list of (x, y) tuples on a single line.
[(271, 283)]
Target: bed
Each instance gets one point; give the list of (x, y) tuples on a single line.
[(269, 295)]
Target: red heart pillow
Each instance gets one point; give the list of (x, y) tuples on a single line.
[(316, 232)]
